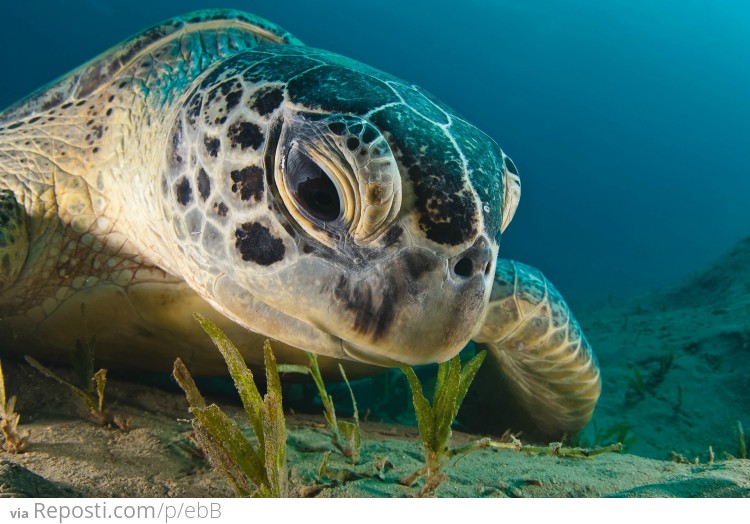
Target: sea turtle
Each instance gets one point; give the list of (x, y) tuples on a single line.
[(214, 164)]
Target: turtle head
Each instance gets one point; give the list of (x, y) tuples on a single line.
[(334, 207)]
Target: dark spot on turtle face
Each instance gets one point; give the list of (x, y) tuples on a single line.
[(194, 108), (226, 96), (15, 125), (337, 128), (248, 181), (307, 249), (204, 184), (352, 143), (417, 264), (35, 119), (256, 244), (369, 135), (109, 111), (81, 102), (245, 134), (66, 105), (392, 235), (266, 100), (176, 140), (231, 91), (95, 150), (221, 209), (445, 217), (233, 98), (212, 145), (373, 310), (111, 98), (184, 192)]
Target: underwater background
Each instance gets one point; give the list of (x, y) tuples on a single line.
[(629, 120)]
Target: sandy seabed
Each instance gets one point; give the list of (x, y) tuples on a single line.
[(71, 457)]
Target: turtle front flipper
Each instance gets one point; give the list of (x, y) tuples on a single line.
[(14, 239), (541, 376)]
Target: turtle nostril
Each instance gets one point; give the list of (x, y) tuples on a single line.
[(477, 260), (464, 267)]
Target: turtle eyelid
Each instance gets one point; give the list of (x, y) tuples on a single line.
[(512, 191)]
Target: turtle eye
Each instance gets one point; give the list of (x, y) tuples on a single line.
[(312, 188)]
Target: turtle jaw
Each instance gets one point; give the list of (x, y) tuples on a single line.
[(433, 331), (409, 309)]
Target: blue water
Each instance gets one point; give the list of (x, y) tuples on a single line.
[(628, 119)]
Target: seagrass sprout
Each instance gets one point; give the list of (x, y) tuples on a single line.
[(256, 470)]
